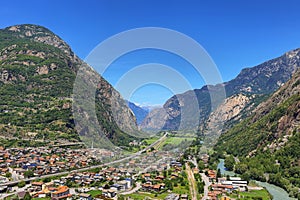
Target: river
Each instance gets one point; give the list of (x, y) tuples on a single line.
[(276, 192)]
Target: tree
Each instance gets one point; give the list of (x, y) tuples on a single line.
[(165, 174), (47, 180), (219, 175), (27, 196), (240, 168), (246, 176), (7, 174), (201, 165), (106, 186), (229, 163), (21, 184), (28, 174)]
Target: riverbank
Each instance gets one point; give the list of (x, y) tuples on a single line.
[(276, 192)]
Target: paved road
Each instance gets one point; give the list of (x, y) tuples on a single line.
[(88, 168), (207, 184), (16, 190), (138, 186)]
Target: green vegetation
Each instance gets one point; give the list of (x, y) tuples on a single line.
[(200, 183), (142, 195), (252, 195), (36, 92), (176, 142), (21, 184), (277, 166), (229, 162), (94, 193)]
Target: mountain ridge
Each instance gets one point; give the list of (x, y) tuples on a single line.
[(260, 80), (267, 141), (40, 68)]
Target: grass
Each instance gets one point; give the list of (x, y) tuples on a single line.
[(95, 192), (174, 142), (177, 140), (181, 190), (253, 194), (144, 195), (151, 140)]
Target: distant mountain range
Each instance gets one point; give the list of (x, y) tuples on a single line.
[(139, 112), (37, 73), (248, 88)]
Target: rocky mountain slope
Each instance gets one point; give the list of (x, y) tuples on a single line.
[(37, 73), (253, 83), (270, 138)]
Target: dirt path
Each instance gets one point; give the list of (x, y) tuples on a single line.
[(192, 182)]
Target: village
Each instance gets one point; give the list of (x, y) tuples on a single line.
[(68, 173)]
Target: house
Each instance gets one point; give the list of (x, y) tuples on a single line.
[(184, 197), (222, 188), (146, 186), (196, 170), (123, 184), (85, 196), (159, 178), (156, 187), (240, 185), (225, 198), (174, 176), (211, 175), (109, 193), (62, 192), (147, 177), (40, 194), (117, 187), (37, 185)]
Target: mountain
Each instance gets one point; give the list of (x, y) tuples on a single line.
[(268, 141), (139, 112), (37, 74), (255, 83)]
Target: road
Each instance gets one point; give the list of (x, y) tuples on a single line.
[(138, 186), (192, 182), (207, 184), (88, 168), (16, 190), (204, 178)]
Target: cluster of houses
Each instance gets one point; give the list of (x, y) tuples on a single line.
[(222, 186), (155, 182), (58, 188), (111, 180), (149, 185), (44, 160)]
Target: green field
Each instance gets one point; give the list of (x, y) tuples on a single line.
[(144, 195), (95, 192), (150, 140), (254, 194), (175, 142)]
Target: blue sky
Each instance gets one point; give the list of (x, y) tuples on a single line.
[(235, 33)]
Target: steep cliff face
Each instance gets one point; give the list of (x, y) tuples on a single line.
[(227, 111), (268, 141), (271, 123), (37, 74), (259, 81)]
